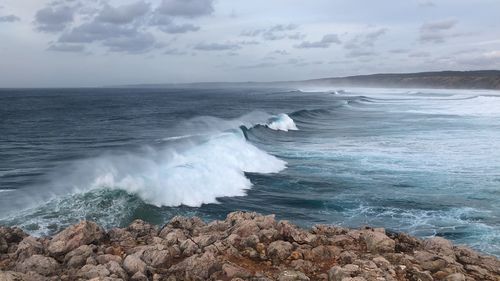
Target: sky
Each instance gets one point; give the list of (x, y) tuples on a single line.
[(87, 43)]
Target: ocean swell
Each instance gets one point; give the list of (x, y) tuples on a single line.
[(204, 158)]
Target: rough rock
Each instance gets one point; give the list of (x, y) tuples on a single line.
[(28, 247), (133, 264), (75, 236), (244, 246), (279, 250), (40, 264), (290, 275), (378, 242)]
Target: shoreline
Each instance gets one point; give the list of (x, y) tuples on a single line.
[(244, 246)]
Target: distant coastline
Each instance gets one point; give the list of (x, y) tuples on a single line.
[(479, 79)]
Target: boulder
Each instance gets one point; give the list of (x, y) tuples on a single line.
[(4, 246), (12, 234), (172, 236), (85, 232), (234, 271), (430, 261), (378, 242), (115, 269), (196, 267), (291, 233), (291, 275), (156, 256), (133, 264), (11, 276), (455, 277), (78, 257), (439, 245), (185, 223), (104, 259), (40, 264), (140, 228), (28, 247), (139, 276), (279, 250), (188, 247), (89, 271)]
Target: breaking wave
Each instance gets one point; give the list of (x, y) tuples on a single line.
[(207, 158)]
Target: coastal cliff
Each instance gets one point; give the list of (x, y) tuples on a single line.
[(481, 79), (245, 246)]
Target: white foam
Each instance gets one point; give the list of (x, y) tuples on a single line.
[(196, 176), (480, 106), (281, 122)]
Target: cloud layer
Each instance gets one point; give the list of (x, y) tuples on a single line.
[(216, 40)]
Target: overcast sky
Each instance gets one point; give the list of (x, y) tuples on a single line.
[(106, 42)]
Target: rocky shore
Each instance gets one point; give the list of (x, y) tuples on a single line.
[(245, 246)]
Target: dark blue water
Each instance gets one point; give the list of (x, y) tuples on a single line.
[(424, 162)]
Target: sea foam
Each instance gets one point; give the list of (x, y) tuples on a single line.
[(281, 122), (195, 176)]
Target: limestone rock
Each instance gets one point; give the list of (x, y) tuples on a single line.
[(40, 264), (28, 247), (85, 232), (377, 242), (133, 264), (234, 271), (291, 275), (279, 250), (439, 245), (93, 271), (78, 257)]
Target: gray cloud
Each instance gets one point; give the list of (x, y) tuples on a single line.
[(362, 46), (399, 51), (138, 43), (175, 52), (435, 32), (167, 25), (118, 38), (365, 40), (259, 65), (419, 55), (70, 48), (373, 36), (9, 18), (186, 8), (439, 25), (54, 18), (217, 46), (96, 31), (245, 42), (275, 32), (325, 42), (179, 28), (123, 14), (280, 52), (360, 53), (426, 4)]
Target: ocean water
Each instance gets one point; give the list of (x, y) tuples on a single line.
[(425, 161)]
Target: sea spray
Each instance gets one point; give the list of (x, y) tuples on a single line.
[(281, 122), (195, 176)]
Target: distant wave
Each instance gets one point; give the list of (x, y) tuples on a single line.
[(281, 122), (474, 106)]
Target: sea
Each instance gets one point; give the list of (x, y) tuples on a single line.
[(421, 161)]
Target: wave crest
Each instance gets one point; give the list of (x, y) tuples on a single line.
[(281, 122)]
